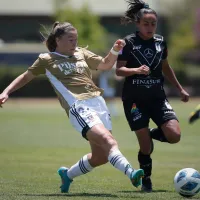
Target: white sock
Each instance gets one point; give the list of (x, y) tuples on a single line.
[(81, 167), (120, 162)]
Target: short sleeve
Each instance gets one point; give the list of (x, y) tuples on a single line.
[(124, 53), (92, 59), (38, 66), (165, 51)]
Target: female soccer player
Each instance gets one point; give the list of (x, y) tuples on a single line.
[(143, 62), (68, 69)]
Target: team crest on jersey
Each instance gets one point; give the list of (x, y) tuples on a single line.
[(148, 53), (158, 47)]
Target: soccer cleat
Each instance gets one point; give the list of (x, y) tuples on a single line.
[(146, 185), (66, 181), (136, 177), (194, 115)]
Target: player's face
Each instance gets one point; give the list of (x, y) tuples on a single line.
[(147, 26), (67, 43)]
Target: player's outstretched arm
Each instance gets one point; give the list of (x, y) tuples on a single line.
[(108, 62), (19, 82)]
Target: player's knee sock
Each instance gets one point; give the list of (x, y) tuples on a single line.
[(120, 162), (157, 134), (145, 162), (81, 167)]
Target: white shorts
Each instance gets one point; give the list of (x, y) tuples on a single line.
[(84, 114)]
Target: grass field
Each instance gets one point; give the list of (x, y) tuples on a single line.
[(36, 139)]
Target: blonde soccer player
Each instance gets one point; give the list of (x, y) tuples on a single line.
[(68, 68)]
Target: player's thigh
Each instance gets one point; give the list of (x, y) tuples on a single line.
[(144, 140), (87, 113), (136, 114), (164, 116), (161, 112), (100, 136), (104, 113)]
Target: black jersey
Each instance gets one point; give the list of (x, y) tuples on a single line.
[(138, 52)]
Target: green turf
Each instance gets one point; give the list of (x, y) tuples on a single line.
[(36, 139)]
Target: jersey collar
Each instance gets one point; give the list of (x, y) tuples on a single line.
[(145, 41), (61, 54)]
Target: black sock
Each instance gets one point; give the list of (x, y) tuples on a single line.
[(145, 162), (157, 134)]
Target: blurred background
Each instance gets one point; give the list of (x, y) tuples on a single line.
[(98, 23)]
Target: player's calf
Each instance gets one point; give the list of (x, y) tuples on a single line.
[(145, 162)]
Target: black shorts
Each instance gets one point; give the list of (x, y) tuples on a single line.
[(138, 113)]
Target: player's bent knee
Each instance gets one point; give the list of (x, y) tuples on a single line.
[(108, 139), (176, 138)]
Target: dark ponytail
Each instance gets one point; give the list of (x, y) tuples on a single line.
[(136, 10), (51, 43), (51, 40)]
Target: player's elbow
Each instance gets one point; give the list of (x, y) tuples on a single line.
[(105, 65)]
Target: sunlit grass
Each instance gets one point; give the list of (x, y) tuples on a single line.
[(36, 138)]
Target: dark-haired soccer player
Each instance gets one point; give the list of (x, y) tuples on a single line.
[(143, 62)]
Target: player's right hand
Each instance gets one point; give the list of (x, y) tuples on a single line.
[(143, 70), (119, 45), (3, 99)]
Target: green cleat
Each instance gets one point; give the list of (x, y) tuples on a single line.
[(66, 181), (136, 177)]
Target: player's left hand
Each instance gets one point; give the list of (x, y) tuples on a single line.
[(119, 45), (184, 96)]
